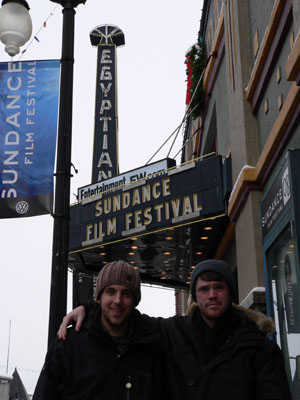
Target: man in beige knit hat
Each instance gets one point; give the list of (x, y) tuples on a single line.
[(116, 355), (118, 291)]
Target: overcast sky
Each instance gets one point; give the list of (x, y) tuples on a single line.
[(151, 103)]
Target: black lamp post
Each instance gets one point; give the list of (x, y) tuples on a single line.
[(15, 31), (59, 274)]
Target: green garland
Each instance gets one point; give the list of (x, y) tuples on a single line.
[(196, 58)]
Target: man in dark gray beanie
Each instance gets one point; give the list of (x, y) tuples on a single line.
[(219, 351), (218, 266), (116, 355), (212, 288)]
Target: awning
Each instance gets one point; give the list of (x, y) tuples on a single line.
[(163, 226)]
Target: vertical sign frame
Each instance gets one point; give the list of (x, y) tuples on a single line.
[(105, 153)]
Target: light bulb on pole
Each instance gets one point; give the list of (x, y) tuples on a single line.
[(15, 25)]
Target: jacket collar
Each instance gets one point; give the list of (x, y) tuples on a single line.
[(264, 324)]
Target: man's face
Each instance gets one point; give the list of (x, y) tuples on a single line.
[(213, 298), (116, 304)]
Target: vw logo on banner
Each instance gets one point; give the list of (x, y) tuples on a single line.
[(22, 207)]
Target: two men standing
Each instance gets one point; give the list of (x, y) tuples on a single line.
[(216, 352)]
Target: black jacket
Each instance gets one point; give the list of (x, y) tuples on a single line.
[(232, 361), (89, 366)]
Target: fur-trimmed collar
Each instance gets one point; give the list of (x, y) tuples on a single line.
[(265, 324)]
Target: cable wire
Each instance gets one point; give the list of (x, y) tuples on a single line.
[(186, 114), (187, 141)]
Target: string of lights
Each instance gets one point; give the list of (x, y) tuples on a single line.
[(21, 369), (35, 37)]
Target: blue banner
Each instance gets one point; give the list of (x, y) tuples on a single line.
[(28, 129)]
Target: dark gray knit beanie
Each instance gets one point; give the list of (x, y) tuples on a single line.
[(218, 266), (119, 273)]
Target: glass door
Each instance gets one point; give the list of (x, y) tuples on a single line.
[(282, 261)]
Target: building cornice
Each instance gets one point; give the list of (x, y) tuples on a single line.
[(265, 48), (214, 49), (253, 178), (292, 66)]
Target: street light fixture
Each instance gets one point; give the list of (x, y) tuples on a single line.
[(15, 25), (75, 3)]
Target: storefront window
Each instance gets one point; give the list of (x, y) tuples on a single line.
[(284, 272)]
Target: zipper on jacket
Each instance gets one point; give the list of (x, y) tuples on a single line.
[(128, 387)]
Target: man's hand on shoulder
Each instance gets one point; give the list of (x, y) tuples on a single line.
[(77, 315)]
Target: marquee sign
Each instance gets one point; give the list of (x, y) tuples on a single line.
[(190, 192), (116, 182)]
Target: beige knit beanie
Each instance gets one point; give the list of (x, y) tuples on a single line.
[(119, 273)]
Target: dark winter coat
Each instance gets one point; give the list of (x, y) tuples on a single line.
[(89, 366), (232, 361)]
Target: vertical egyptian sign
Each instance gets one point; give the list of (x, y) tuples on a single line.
[(28, 127), (105, 135), (105, 152)]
